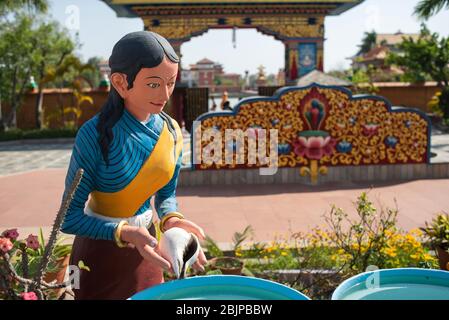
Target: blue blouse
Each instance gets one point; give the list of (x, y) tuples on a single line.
[(132, 145)]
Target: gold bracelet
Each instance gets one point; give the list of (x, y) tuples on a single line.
[(118, 234), (166, 217)]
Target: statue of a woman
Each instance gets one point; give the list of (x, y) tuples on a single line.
[(130, 151)]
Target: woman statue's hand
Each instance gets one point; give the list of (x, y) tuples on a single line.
[(146, 244), (192, 227)]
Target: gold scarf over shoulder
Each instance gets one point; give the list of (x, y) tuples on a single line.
[(154, 174)]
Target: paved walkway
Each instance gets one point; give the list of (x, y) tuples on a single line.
[(32, 179), (16, 157), (27, 156), (32, 199)]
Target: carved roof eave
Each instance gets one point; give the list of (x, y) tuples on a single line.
[(129, 8)]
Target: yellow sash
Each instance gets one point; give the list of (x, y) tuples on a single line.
[(154, 174)]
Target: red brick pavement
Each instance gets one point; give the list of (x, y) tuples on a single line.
[(32, 199)]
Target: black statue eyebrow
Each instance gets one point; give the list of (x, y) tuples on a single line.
[(153, 77), (160, 77)]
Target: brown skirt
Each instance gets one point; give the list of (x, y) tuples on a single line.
[(115, 273)]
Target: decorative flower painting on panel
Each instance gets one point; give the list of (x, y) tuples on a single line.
[(326, 124)]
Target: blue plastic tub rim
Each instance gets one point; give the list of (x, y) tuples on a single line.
[(351, 282), (198, 281)]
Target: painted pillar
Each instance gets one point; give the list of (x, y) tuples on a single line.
[(301, 57), (304, 51)]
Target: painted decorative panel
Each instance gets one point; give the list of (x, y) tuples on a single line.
[(324, 125)]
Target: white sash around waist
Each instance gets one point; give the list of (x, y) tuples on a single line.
[(142, 220)]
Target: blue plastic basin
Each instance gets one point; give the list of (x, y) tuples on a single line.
[(220, 287), (395, 284)]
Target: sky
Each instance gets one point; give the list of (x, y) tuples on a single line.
[(99, 29)]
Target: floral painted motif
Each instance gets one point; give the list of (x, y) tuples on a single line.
[(284, 148), (391, 141), (370, 129), (314, 147), (328, 125), (344, 147)]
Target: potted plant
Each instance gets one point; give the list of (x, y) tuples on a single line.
[(227, 264), (59, 262), (25, 263), (438, 233), (31, 251)]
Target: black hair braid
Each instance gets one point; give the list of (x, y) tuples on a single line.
[(110, 113)]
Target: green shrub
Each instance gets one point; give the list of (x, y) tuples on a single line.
[(18, 134)]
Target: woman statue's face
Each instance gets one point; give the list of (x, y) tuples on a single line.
[(151, 89)]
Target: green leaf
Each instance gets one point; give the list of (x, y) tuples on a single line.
[(212, 247), (62, 250), (238, 237), (247, 272), (41, 242), (213, 272), (82, 266)]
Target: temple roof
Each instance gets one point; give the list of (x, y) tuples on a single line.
[(124, 8), (394, 38), (205, 61), (321, 78)]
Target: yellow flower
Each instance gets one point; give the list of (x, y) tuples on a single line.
[(390, 252), (428, 257), (417, 245), (283, 253), (416, 232)]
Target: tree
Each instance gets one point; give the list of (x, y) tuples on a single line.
[(427, 8), (32, 6), (16, 63), (363, 80), (426, 58), (217, 80), (93, 75), (71, 73), (53, 46), (368, 42), (29, 45)]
